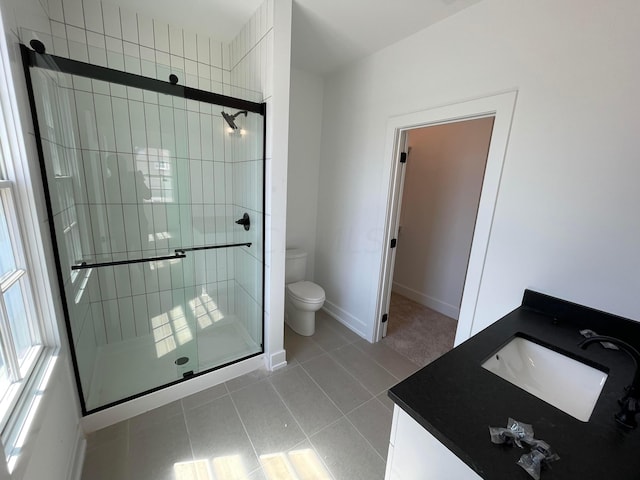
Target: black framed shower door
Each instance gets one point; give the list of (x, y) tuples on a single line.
[(156, 211)]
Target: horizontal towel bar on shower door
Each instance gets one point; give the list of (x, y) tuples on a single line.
[(209, 247), (180, 253), (85, 265)]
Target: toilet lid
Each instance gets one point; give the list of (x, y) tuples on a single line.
[(306, 291)]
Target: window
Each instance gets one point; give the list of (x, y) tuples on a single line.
[(29, 336), (23, 334), (20, 338)]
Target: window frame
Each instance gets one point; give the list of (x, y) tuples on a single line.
[(19, 168), (18, 372)]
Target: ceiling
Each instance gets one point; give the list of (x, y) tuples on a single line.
[(326, 34), (224, 17)]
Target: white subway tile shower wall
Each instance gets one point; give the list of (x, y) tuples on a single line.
[(117, 38), (113, 36), (250, 50), (249, 55)]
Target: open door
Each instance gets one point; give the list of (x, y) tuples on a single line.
[(401, 160), (437, 215), (501, 107)]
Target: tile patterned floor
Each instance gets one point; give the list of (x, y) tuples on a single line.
[(325, 416)]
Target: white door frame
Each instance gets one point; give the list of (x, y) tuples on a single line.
[(501, 106)]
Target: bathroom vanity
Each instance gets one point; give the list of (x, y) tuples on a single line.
[(443, 412)]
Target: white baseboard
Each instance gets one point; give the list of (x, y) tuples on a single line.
[(433, 303), (77, 457), (277, 360), (352, 323)]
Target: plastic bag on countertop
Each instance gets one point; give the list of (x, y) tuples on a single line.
[(540, 454), (516, 432)]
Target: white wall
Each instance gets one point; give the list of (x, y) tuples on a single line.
[(58, 444), (442, 186), (565, 220), (303, 169)]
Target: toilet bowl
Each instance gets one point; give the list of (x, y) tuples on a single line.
[(302, 298)]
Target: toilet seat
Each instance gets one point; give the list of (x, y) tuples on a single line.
[(306, 292)]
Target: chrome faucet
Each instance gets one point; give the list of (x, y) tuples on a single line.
[(630, 402)]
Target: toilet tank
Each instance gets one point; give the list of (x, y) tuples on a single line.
[(295, 267)]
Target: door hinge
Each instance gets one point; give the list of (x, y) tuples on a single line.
[(393, 243), (403, 157), (385, 317)]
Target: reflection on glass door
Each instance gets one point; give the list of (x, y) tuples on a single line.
[(144, 191)]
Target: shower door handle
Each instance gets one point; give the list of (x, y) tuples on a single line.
[(209, 247), (245, 221), (85, 265)]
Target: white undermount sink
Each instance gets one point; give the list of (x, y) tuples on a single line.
[(563, 382)]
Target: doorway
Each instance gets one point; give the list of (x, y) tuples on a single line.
[(500, 107), (437, 212)]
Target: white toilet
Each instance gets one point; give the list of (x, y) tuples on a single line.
[(302, 299)]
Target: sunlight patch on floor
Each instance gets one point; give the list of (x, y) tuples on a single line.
[(228, 467), (196, 470), (296, 465)]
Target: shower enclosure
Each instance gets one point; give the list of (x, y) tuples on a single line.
[(155, 202)]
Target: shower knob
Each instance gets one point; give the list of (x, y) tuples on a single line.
[(244, 221)]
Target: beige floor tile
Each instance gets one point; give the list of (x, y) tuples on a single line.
[(374, 378), (341, 387), (218, 436), (300, 348), (206, 396), (156, 451), (373, 421), (396, 364), (267, 420), (305, 400), (347, 454)]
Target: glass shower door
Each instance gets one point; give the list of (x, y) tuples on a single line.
[(145, 190)]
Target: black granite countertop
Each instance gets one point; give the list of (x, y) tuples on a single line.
[(456, 400)]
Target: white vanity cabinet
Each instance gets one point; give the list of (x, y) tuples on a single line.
[(415, 454)]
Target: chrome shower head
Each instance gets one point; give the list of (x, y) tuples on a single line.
[(231, 119)]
